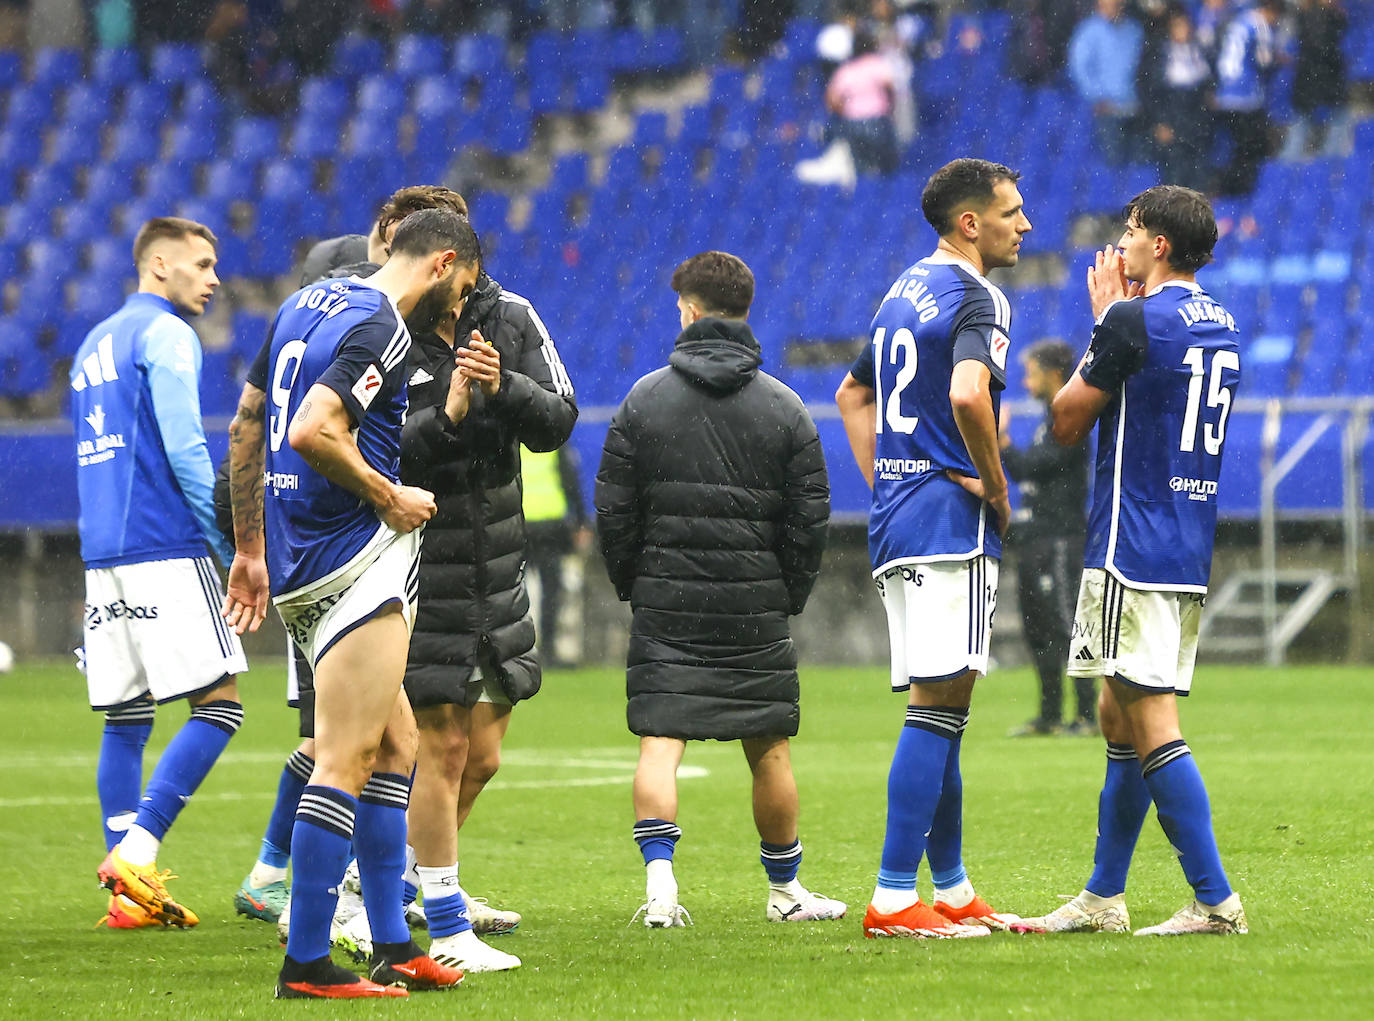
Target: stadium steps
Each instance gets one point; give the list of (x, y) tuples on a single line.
[(1233, 625)]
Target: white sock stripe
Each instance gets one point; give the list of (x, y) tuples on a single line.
[(1160, 758), (131, 716), (226, 717), (792, 852), (300, 765), (664, 830), (326, 809), (386, 792)]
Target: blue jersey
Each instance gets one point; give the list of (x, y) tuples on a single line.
[(941, 311), (143, 472), (1172, 361), (349, 337), (1244, 61)]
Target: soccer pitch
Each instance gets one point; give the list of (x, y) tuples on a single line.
[(1284, 753)]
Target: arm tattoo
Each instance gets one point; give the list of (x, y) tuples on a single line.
[(247, 458)]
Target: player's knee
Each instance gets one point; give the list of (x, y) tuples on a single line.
[(447, 750), (223, 714), (482, 766)]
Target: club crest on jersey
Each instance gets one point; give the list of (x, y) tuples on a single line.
[(368, 386), (999, 347)]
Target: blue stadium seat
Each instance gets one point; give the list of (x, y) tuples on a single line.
[(220, 382), (94, 298), (1267, 361), (167, 183), (81, 222), (254, 139), (325, 96), (192, 142), (114, 67), (175, 63), (201, 105), (30, 108), (147, 104), (211, 214), (49, 187), (75, 146), (357, 55), (108, 186), (11, 69), (381, 96), (418, 55), (371, 135), (230, 180), (108, 256), (55, 68), (87, 106), (133, 144), (246, 335), (478, 56), (314, 137), (20, 150), (26, 369)]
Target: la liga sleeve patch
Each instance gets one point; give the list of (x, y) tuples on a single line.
[(998, 348), (367, 387)]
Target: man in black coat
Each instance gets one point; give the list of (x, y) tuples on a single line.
[(479, 387), (712, 502), (1048, 532)]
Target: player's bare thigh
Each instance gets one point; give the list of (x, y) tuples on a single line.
[(1145, 720), (357, 682), (956, 692)]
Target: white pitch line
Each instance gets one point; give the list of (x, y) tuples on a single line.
[(627, 774)]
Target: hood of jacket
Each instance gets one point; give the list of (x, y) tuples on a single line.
[(719, 355)]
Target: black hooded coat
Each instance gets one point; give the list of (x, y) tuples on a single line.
[(712, 502)]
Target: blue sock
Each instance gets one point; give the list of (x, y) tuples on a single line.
[(1121, 810), (380, 843), (656, 839), (781, 861), (119, 773), (913, 792), (446, 915), (319, 854), (945, 847), (186, 762), (1186, 815), (276, 841)]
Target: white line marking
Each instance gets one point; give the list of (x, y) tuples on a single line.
[(623, 772)]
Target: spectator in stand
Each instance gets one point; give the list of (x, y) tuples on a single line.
[(1041, 33), (1175, 83), (1247, 58), (835, 42), (1104, 55), (1209, 22), (860, 95), (1320, 86), (897, 35)]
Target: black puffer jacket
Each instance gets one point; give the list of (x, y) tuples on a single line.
[(712, 502), (472, 585)]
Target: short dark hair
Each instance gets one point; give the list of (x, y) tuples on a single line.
[(958, 182), (169, 228), (414, 198), (719, 280), (434, 230), (1052, 355), (1182, 215)]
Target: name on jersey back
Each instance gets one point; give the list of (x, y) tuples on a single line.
[(915, 291), (1203, 311)]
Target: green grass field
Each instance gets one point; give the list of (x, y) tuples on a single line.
[(1285, 754)]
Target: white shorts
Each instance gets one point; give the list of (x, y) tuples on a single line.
[(155, 629), (386, 571), (1144, 639), (939, 618)]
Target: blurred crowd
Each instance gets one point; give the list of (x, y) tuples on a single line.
[(1192, 86)]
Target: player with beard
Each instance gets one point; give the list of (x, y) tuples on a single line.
[(322, 513)]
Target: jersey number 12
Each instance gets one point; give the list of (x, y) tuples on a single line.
[(1218, 396), (903, 341)]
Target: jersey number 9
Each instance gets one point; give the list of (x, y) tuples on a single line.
[(284, 374)]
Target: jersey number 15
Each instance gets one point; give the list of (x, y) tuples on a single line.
[(1218, 396)]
